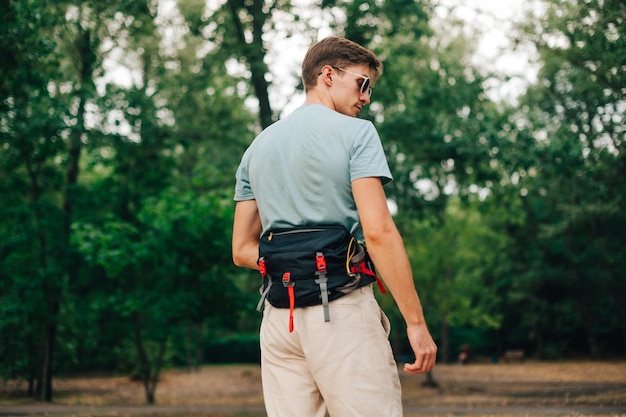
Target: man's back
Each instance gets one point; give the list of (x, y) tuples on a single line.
[(300, 169)]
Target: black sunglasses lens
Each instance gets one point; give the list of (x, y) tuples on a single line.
[(365, 85)]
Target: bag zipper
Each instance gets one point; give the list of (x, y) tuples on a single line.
[(289, 232)]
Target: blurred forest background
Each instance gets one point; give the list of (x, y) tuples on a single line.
[(122, 123)]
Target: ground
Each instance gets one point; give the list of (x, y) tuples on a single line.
[(506, 389)]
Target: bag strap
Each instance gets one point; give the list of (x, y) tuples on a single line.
[(360, 263), (263, 270), (322, 281), (289, 284)]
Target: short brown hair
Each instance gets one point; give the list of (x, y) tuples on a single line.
[(337, 52)]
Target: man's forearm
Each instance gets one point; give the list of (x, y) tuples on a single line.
[(246, 230), (248, 256), (389, 257)]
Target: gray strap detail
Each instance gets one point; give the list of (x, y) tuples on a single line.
[(359, 255), (259, 306), (321, 281)]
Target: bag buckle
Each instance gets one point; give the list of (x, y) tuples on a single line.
[(320, 262), (287, 282)]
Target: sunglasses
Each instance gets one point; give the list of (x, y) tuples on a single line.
[(364, 82)]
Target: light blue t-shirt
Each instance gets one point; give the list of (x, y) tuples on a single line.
[(300, 169)]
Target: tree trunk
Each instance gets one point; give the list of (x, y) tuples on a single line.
[(445, 339), (430, 380), (615, 287), (41, 387), (445, 325), (149, 375), (580, 292), (192, 346), (188, 346), (586, 319), (539, 344), (620, 303), (45, 379), (254, 53), (52, 288)]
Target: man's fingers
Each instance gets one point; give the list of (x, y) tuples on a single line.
[(421, 365)]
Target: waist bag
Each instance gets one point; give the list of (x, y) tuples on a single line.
[(312, 265)]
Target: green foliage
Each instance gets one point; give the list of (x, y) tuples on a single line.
[(368, 20), (440, 132), (171, 267), (542, 175), (33, 251), (456, 264), (115, 197), (573, 198), (94, 250), (243, 348)]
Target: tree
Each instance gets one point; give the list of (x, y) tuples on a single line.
[(237, 30), (456, 264), (33, 261), (165, 270), (574, 117), (167, 212), (79, 158)]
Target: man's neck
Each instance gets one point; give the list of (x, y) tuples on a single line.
[(315, 96)]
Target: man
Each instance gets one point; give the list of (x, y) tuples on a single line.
[(322, 166)]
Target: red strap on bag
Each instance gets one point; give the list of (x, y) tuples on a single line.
[(381, 286), (292, 301), (292, 297), (362, 268), (262, 267)]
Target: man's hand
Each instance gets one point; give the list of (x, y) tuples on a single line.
[(424, 348)]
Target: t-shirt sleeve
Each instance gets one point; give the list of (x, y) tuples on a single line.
[(243, 190), (367, 158)]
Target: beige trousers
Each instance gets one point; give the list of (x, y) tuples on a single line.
[(344, 367)]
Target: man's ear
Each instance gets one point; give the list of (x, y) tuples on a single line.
[(328, 75)]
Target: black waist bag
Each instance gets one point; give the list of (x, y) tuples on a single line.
[(308, 266)]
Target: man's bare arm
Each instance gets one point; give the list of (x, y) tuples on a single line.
[(387, 250), (246, 231)]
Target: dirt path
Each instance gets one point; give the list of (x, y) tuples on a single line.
[(231, 411), (521, 389), (60, 410)]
